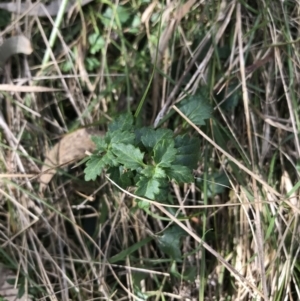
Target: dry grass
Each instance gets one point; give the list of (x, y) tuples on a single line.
[(88, 241)]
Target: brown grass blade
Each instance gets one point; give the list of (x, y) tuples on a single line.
[(14, 88)]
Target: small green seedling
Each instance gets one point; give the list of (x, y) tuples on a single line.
[(146, 158)]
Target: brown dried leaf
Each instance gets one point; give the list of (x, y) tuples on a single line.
[(71, 147), (14, 45)]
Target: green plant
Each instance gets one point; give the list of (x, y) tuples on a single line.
[(145, 158)]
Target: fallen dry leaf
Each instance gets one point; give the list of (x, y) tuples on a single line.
[(70, 148), (14, 45)]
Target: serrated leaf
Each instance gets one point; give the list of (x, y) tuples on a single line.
[(188, 150), (110, 159), (148, 188), (96, 164), (164, 153), (163, 193), (128, 155), (120, 136), (150, 137), (148, 171), (151, 171), (196, 108), (159, 173), (100, 143), (163, 190), (170, 242), (180, 174), (139, 133), (122, 123), (94, 167)]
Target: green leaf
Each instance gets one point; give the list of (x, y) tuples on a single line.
[(85, 159), (180, 174), (196, 108), (122, 123), (94, 167), (151, 137), (135, 25), (21, 291), (170, 242), (126, 178), (216, 183), (159, 172), (148, 188), (100, 143), (120, 176), (160, 188), (139, 133), (163, 190), (174, 272), (188, 150), (123, 254), (120, 136), (148, 171), (143, 204), (151, 171), (229, 103), (189, 274), (96, 164), (164, 153), (110, 159), (66, 66), (92, 63), (96, 43), (128, 155), (122, 14)]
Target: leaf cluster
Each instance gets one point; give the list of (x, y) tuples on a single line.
[(144, 157)]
